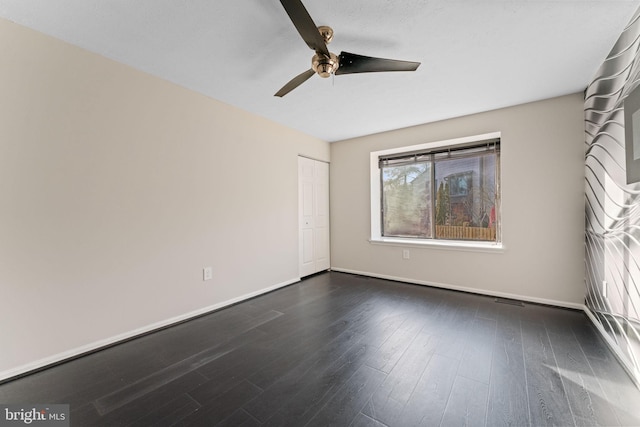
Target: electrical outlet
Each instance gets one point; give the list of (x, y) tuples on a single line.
[(406, 254), (207, 273), (604, 288)]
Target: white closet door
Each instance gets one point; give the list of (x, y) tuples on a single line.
[(313, 207)]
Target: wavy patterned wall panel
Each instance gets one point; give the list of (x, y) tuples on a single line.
[(612, 207)]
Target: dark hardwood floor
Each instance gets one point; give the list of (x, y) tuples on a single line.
[(338, 349)]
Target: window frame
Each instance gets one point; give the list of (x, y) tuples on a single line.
[(376, 197)]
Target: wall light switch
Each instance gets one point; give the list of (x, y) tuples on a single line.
[(406, 254), (207, 273)]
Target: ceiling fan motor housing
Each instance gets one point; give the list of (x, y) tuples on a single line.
[(324, 65)]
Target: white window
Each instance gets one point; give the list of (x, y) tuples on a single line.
[(438, 192)]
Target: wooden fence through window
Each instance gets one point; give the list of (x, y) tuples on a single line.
[(465, 233)]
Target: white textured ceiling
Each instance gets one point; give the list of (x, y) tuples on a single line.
[(476, 55)]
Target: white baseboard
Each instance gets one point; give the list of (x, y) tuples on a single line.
[(544, 301), (60, 357), (632, 371)]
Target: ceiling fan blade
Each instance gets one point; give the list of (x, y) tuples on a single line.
[(295, 82), (305, 25), (352, 63)]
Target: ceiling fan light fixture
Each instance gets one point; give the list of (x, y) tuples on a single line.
[(324, 65)]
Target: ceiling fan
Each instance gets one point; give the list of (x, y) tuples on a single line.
[(325, 63)]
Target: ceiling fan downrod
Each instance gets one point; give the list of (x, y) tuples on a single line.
[(322, 64)]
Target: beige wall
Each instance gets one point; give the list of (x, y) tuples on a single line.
[(117, 188), (542, 162)]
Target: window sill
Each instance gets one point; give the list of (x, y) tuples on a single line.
[(440, 244)]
